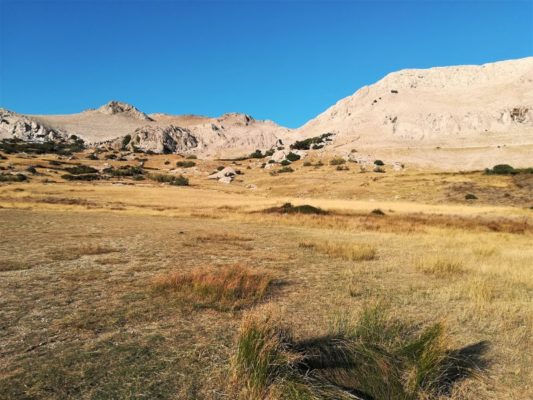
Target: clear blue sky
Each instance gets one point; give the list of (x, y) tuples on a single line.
[(285, 61)]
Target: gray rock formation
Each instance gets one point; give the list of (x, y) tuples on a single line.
[(159, 139), (17, 126), (116, 107)]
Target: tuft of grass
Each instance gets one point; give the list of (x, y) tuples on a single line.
[(375, 357), (440, 266), (223, 288), (346, 251)]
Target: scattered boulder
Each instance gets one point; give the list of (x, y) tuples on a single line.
[(225, 175)]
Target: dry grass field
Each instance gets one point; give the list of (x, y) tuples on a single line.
[(121, 288)]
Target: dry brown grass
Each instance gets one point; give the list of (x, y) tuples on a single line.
[(440, 266), (74, 252), (225, 288), (346, 251)]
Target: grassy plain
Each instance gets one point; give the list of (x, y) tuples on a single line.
[(84, 265)]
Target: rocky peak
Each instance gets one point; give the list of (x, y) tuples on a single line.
[(117, 107)]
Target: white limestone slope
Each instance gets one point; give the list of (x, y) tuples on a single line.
[(463, 107)]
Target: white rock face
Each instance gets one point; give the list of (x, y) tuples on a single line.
[(168, 139), (117, 107), (449, 107), (17, 126)]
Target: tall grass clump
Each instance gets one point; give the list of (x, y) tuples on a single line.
[(346, 251), (440, 266), (373, 357), (223, 288)]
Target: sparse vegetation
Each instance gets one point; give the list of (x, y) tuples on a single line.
[(376, 357), (285, 170), (316, 141), (224, 288), (337, 161), (440, 266), (13, 178), (288, 208), (185, 164), (347, 251), (179, 180), (13, 146), (379, 163), (126, 170), (81, 177), (81, 169)]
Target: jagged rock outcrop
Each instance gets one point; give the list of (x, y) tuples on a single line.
[(17, 126), (167, 139), (117, 107)]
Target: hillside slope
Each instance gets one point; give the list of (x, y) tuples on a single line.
[(482, 113)]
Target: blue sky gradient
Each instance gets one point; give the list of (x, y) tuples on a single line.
[(285, 61)]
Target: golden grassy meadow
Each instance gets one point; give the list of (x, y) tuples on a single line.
[(136, 289)]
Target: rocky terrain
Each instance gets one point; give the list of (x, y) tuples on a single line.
[(461, 117), (482, 113)]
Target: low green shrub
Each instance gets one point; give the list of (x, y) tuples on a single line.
[(293, 157), (179, 180), (81, 169), (13, 178), (185, 164), (288, 208), (337, 161), (81, 177)]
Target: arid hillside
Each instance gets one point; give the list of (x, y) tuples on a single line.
[(457, 118), (454, 117)]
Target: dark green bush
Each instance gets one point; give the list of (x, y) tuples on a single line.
[(285, 162), (307, 143), (379, 163), (192, 157), (377, 211), (13, 178), (293, 157), (82, 177), (81, 169), (127, 170), (257, 154), (170, 179), (470, 196), (505, 169), (185, 164), (125, 141), (12, 146), (288, 208)]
